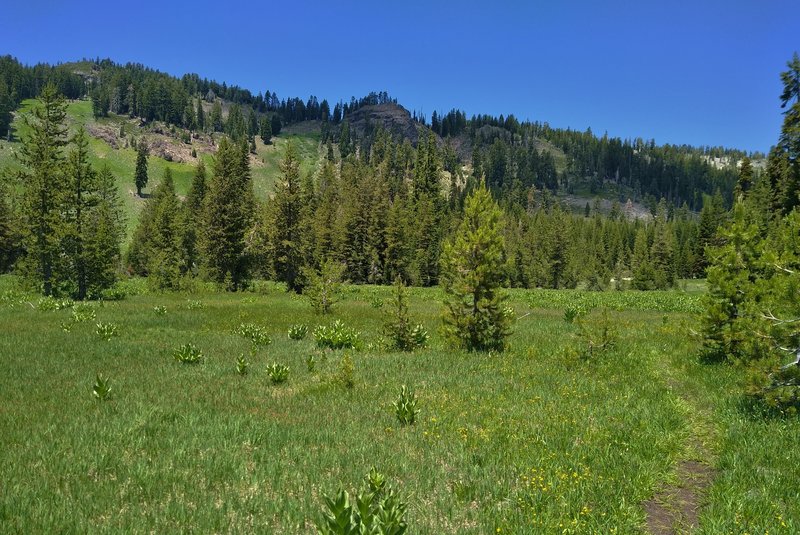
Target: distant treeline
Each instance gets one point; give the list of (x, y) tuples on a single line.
[(509, 153)]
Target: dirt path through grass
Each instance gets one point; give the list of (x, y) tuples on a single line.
[(675, 507)]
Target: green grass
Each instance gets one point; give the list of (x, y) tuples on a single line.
[(268, 171), (529, 441)]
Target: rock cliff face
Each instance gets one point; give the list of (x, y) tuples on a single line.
[(392, 117)]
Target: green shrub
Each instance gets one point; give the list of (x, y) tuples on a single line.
[(188, 354), (377, 510), (298, 332), (194, 305), (49, 304), (115, 293), (83, 312), (398, 327), (101, 388), (346, 375), (278, 373), (573, 312), (160, 310), (595, 336), (242, 365), (106, 331), (323, 286), (256, 334), (405, 407), (336, 336), (776, 384)]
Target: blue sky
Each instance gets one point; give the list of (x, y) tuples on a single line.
[(704, 72)]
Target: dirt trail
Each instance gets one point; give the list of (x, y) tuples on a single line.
[(675, 508)]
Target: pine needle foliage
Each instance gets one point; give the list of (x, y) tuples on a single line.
[(472, 273)]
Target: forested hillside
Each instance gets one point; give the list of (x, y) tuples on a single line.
[(231, 185)]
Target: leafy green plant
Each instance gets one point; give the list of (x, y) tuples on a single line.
[(242, 365), (405, 407), (336, 336), (298, 332), (101, 388), (194, 305), (49, 304), (83, 312), (187, 354), (419, 336), (311, 363), (278, 373), (376, 302), (256, 334), (160, 310), (573, 312), (107, 331), (377, 510)]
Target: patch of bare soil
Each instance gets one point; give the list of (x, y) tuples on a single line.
[(161, 141), (676, 508), (107, 133)]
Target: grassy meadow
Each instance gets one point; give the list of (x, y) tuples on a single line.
[(532, 440)]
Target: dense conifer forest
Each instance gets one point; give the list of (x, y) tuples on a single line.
[(379, 202)]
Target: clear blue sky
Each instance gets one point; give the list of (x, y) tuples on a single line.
[(702, 72)]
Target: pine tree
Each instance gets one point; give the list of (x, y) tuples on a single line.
[(200, 116), (345, 146), (288, 209), (192, 218), (731, 274), (265, 130), (79, 200), (10, 246), (140, 175), (155, 247), (397, 325), (745, 181), (399, 249), (105, 229), (428, 212), (789, 140), (217, 123), (322, 287), (662, 259), (44, 185), (275, 124), (641, 264), (712, 216), (164, 263), (6, 107), (227, 216), (472, 274)]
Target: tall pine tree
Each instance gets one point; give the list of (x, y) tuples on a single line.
[(44, 185), (227, 216)]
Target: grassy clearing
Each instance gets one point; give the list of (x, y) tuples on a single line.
[(122, 161), (528, 441)]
